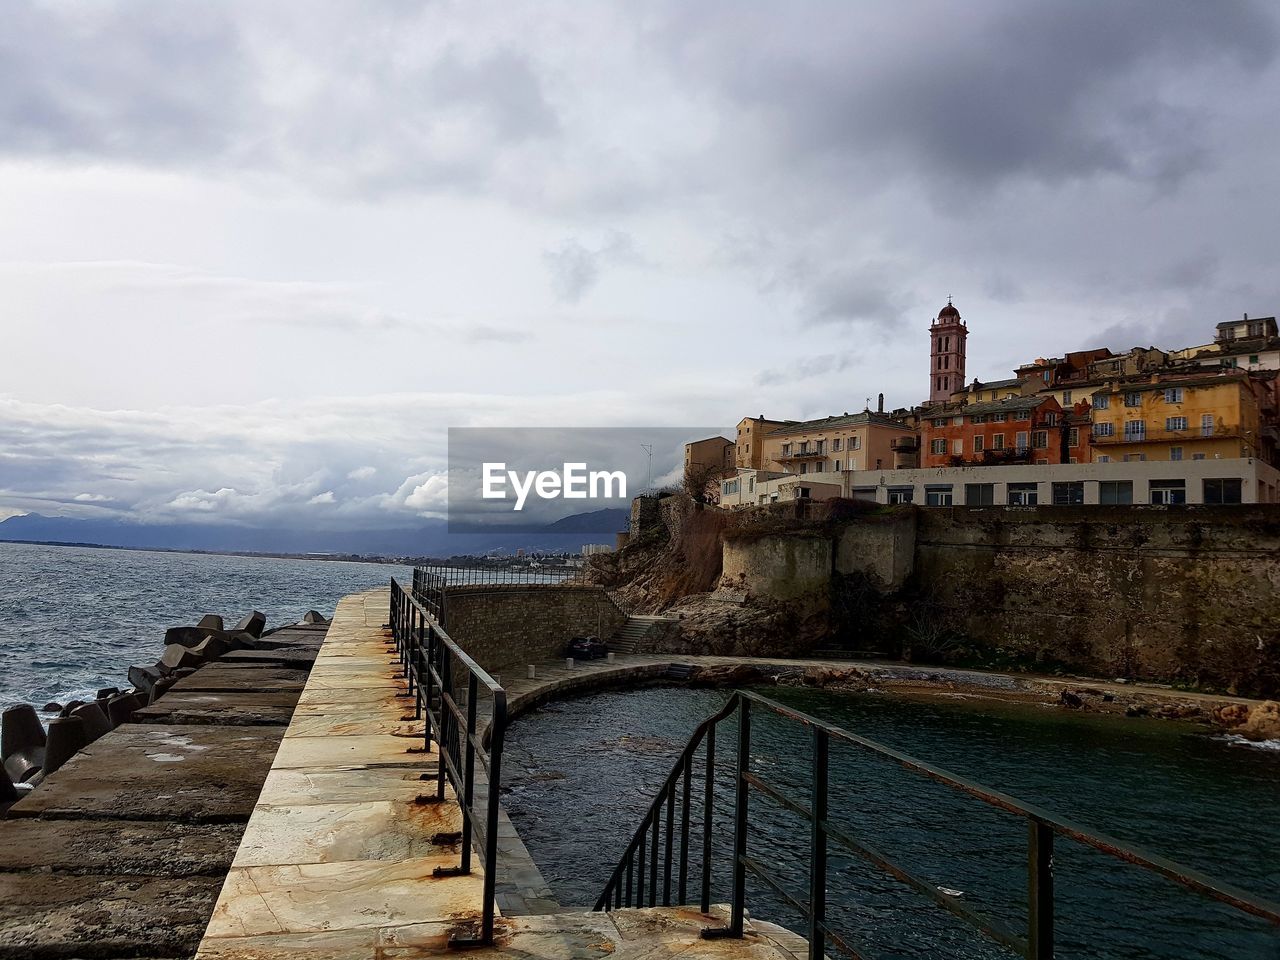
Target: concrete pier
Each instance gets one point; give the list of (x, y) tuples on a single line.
[(337, 860), (122, 851)]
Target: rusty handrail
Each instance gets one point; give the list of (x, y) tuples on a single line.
[(445, 684), (622, 890)]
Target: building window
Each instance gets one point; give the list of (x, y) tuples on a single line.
[(997, 442), (1197, 456), (1069, 493), (1073, 437), (957, 447), (1022, 415), (1206, 425), (856, 443), (1040, 439), (1168, 492), (1051, 419), (979, 494), (940, 421), (804, 468), (978, 419), (835, 445), (1104, 459), (1133, 399), (1135, 429), (938, 446), (1101, 401), (937, 496), (957, 421), (1135, 458), (1104, 430), (901, 494), (977, 444), (1115, 493), (1066, 398), (1173, 395), (786, 449), (1175, 453), (1021, 441), (999, 417), (1175, 423), (1253, 358), (1023, 494), (1226, 490)]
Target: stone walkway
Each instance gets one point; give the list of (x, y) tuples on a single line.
[(336, 862)]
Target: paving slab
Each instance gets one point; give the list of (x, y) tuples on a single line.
[(310, 898), (221, 677), (352, 785), (160, 772), (284, 657), (391, 720), (348, 751), (118, 847), (232, 709), (364, 830), (64, 916)]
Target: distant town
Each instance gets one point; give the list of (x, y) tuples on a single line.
[(1197, 425)]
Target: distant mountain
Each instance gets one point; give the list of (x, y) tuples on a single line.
[(427, 538)]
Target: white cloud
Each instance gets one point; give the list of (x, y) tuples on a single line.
[(322, 498), (363, 473)]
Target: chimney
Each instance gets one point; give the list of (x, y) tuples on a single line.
[(880, 404)]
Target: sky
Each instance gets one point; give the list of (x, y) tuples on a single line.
[(255, 259)]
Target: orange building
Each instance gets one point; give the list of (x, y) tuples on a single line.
[(1013, 430)]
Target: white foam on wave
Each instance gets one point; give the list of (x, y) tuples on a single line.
[(1238, 741)]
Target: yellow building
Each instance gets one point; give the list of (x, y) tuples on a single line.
[(1181, 418), (748, 452), (858, 441)]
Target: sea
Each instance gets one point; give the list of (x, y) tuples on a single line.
[(72, 619)]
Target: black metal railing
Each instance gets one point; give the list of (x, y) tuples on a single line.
[(431, 584), (656, 867), (448, 689)]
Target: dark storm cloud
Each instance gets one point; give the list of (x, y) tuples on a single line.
[(977, 93)]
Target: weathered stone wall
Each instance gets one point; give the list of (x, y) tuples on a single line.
[(503, 626), (880, 547), (778, 567), (1188, 595)]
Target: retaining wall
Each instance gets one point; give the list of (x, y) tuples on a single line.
[(515, 624)]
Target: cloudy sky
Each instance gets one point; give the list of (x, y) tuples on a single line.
[(255, 258)]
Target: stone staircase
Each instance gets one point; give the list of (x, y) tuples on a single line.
[(638, 634)]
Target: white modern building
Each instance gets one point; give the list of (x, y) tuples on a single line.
[(1138, 482)]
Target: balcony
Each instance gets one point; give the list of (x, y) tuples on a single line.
[(808, 453), (904, 444), (1174, 436)]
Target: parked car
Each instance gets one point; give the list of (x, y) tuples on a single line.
[(587, 648)]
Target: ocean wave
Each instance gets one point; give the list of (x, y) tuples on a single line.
[(1238, 741)]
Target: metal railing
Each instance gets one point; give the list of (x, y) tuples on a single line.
[(431, 585), (448, 689), (655, 869)]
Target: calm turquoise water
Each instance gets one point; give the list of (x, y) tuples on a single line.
[(583, 772), (72, 619)]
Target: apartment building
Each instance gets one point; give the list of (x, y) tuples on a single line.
[(749, 450), (857, 441), (1015, 429)]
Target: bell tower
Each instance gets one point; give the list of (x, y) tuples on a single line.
[(947, 335)]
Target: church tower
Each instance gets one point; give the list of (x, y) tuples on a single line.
[(947, 336)]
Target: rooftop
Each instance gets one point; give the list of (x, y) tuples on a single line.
[(866, 418)]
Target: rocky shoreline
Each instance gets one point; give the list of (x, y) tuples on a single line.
[(1254, 720)]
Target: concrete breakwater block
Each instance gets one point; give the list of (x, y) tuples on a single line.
[(253, 622), (66, 738), (144, 678), (211, 620), (194, 636), (120, 709), (94, 719), (22, 742), (312, 616), (176, 656)]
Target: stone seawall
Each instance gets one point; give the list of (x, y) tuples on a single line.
[(1190, 594), (511, 625)]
